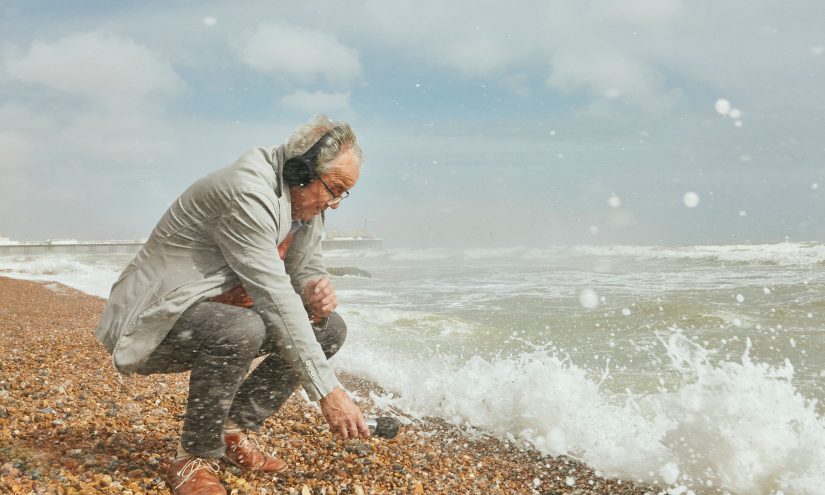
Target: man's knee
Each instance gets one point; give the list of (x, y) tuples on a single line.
[(251, 331), (332, 336), (239, 328)]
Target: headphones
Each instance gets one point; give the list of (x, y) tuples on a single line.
[(302, 169)]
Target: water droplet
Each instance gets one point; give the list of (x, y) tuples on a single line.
[(691, 199), (588, 298), (722, 106)]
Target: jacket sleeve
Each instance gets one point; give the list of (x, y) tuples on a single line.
[(247, 235), (307, 241)]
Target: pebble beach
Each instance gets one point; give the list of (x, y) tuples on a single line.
[(71, 424)]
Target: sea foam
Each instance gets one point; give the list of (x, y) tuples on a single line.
[(741, 426), (784, 254), (92, 277)]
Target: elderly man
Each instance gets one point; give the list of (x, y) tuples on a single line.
[(231, 272)]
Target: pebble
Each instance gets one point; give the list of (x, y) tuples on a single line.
[(357, 447)]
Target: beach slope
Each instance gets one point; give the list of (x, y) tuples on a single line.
[(69, 423)]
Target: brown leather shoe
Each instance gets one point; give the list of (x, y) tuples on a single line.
[(241, 452), (195, 476)]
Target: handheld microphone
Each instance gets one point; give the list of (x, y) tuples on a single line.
[(384, 427)]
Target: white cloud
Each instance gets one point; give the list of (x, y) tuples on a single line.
[(318, 102), (23, 133), (612, 75), (478, 55), (16, 149), (299, 54), (22, 118), (104, 67), (115, 86), (474, 41), (117, 137), (644, 11)]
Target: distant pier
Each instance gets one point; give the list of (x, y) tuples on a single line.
[(12, 248), (69, 247), (355, 243)]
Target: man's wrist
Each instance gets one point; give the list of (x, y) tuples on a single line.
[(329, 395)]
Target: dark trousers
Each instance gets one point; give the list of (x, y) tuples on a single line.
[(217, 343)]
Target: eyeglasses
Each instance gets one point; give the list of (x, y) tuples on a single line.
[(335, 199)]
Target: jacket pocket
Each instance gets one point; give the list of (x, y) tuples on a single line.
[(140, 305)]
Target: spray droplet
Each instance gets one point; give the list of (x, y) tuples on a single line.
[(691, 199), (588, 298), (740, 298), (614, 201), (722, 106), (670, 473)]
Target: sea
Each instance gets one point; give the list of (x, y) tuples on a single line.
[(700, 368)]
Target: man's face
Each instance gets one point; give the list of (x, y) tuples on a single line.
[(312, 199)]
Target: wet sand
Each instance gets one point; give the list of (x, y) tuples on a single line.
[(69, 423)]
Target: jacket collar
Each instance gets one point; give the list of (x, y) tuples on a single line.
[(278, 165)]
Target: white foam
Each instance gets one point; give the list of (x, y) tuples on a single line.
[(93, 277), (420, 254), (785, 254), (397, 324), (486, 253), (732, 318), (741, 426)]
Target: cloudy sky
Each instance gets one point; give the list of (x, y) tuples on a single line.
[(483, 124)]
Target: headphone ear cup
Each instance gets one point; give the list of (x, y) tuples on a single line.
[(300, 170), (297, 171)]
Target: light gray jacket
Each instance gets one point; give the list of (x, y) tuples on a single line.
[(223, 230)]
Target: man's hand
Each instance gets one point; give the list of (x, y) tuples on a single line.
[(319, 296), (343, 416)]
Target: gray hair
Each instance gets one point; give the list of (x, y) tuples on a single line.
[(341, 138)]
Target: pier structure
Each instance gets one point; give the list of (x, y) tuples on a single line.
[(69, 246)]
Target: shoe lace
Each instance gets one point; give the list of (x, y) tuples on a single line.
[(243, 443), (194, 465)]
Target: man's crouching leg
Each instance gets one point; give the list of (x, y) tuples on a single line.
[(263, 393), (274, 380), (217, 342)]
